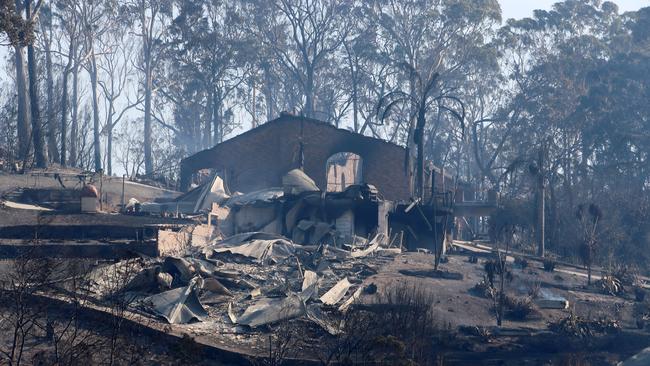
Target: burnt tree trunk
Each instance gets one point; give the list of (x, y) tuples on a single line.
[(148, 86), (23, 123), (97, 152), (64, 106), (109, 148), (37, 133), (419, 140), (309, 93), (52, 146), (541, 198), (268, 92), (209, 113), (74, 123)]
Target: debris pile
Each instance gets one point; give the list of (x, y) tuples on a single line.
[(272, 255), (251, 280)]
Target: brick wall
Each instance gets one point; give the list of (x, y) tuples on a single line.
[(259, 158)]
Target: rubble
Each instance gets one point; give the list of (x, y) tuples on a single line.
[(263, 277), (269, 255)]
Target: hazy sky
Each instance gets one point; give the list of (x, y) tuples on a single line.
[(511, 9), (524, 8)]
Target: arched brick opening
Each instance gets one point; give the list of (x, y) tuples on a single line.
[(342, 170)]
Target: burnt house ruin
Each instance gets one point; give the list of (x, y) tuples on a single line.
[(365, 184), (259, 158)]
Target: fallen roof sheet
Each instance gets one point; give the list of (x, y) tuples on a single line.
[(309, 285), (24, 206), (372, 247), (179, 306), (262, 250), (263, 195), (336, 293), (344, 307), (244, 237), (272, 310)]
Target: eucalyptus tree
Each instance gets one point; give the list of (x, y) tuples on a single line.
[(435, 46), (300, 35), (68, 28), (209, 58), (45, 42), (17, 29), (433, 36), (20, 31), (96, 18), (149, 21), (613, 120), (550, 59), (40, 153), (117, 66)]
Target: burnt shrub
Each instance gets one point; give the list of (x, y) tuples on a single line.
[(549, 265), (399, 327), (521, 262), (639, 294), (519, 308)]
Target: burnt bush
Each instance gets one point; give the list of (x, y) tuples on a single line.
[(579, 327), (519, 308), (628, 275), (400, 327), (639, 294), (549, 265), (521, 262), (493, 268), (484, 289)]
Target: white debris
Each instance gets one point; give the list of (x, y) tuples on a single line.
[(336, 293)]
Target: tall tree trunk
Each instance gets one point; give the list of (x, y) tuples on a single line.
[(109, 148), (37, 134), (541, 198), (352, 64), (23, 107), (419, 140), (109, 135), (553, 238), (209, 120), (148, 158), (93, 86), (309, 93), (64, 106), (52, 146), (217, 119), (355, 105), (74, 124), (268, 92)]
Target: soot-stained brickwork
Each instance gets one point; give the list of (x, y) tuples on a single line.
[(259, 158)]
